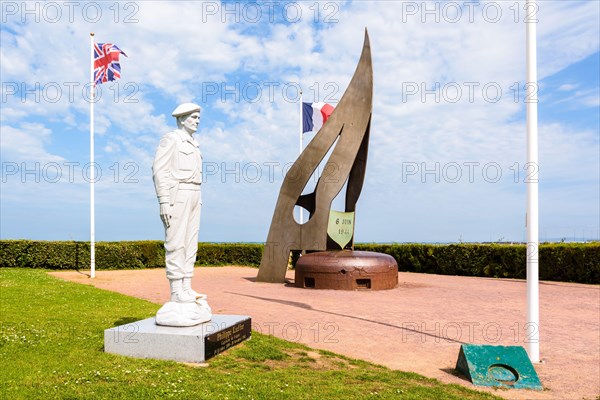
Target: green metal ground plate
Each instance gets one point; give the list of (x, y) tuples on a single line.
[(504, 366)]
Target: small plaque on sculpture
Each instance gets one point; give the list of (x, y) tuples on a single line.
[(341, 227)]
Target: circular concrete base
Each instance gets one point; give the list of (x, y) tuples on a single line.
[(346, 270)]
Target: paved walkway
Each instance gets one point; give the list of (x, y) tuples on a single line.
[(417, 327)]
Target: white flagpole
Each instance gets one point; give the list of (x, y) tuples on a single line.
[(533, 244), (92, 166), (301, 148)]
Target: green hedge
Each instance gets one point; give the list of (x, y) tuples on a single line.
[(76, 255), (229, 254), (117, 255), (568, 262)]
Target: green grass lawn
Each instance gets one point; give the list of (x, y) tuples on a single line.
[(51, 346)]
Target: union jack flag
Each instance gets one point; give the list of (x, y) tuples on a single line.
[(106, 62)]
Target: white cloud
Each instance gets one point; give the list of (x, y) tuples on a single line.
[(581, 98), (567, 87), (568, 33), (26, 143)]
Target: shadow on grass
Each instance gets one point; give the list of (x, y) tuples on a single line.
[(119, 322), (454, 372), (125, 320)]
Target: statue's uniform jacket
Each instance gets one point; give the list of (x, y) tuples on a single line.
[(177, 174)]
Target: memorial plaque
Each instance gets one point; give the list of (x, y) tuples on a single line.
[(341, 227), (220, 341)]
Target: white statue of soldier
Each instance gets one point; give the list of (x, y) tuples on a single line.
[(177, 174)]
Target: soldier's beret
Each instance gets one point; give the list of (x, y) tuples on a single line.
[(185, 108)]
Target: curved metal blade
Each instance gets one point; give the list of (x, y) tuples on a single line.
[(350, 122)]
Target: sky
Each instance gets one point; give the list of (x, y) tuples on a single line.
[(447, 156)]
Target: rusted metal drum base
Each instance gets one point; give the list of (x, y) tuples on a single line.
[(346, 270)]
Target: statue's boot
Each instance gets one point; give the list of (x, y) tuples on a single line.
[(178, 295), (187, 288)]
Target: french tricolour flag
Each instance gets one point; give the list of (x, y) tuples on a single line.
[(314, 115)]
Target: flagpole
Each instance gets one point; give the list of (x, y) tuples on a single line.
[(92, 166), (301, 148), (533, 308)]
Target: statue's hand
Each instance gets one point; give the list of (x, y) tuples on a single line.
[(165, 214)]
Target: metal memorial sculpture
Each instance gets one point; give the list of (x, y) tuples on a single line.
[(348, 128)]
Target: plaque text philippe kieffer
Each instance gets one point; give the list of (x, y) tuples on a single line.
[(227, 334)]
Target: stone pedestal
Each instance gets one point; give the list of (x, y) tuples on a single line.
[(146, 339)]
